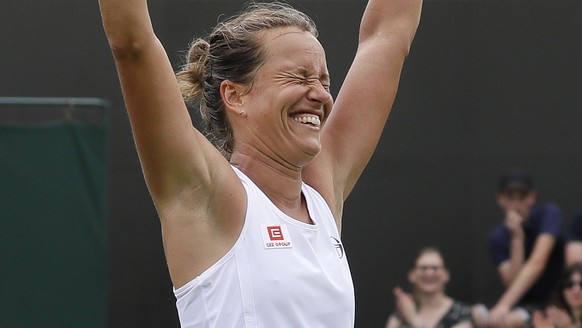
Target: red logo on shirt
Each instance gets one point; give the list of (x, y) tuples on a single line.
[(275, 233)]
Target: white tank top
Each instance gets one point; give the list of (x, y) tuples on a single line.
[(280, 273)]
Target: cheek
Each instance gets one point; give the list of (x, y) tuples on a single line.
[(328, 109), (524, 207), (573, 298)]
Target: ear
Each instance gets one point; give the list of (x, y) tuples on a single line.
[(231, 94), (531, 197)]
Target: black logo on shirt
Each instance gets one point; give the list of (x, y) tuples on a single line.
[(339, 248)]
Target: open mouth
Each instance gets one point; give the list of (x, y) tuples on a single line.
[(308, 119)]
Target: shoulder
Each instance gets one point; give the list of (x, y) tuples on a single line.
[(497, 233), (546, 218), (547, 210), (321, 208)]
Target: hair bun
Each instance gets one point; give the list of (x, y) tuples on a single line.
[(191, 76)]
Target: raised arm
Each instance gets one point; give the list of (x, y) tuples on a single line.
[(188, 179), (527, 276), (368, 92), (169, 148)]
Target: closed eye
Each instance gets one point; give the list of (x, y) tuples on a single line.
[(313, 81)]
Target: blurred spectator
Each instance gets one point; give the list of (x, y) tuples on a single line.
[(574, 242), (428, 306), (528, 249), (567, 313)]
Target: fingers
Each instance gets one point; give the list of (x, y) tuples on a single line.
[(513, 217), (397, 291), (558, 317), (540, 321)]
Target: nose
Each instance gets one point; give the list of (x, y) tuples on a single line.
[(317, 92)]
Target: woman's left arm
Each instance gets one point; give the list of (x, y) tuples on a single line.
[(365, 99)]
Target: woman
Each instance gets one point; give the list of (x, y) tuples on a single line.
[(428, 306), (251, 227), (567, 313)]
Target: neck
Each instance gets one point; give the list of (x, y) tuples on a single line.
[(434, 300), (281, 183)]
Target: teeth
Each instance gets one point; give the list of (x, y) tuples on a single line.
[(308, 119)]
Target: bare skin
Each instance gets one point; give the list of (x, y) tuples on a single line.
[(573, 252), (199, 198), (517, 273), (430, 303)]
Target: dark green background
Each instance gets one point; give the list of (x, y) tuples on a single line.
[(53, 225)]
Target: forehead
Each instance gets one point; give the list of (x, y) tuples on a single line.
[(515, 194), (429, 258), (291, 48)]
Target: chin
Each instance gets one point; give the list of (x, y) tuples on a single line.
[(312, 149)]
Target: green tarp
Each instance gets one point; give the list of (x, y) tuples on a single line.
[(53, 225)]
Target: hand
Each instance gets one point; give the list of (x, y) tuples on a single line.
[(559, 318), (405, 306), (497, 316), (539, 320), (513, 222)]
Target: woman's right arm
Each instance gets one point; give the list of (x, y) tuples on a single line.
[(188, 179), (169, 148)]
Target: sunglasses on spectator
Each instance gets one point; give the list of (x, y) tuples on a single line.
[(572, 283)]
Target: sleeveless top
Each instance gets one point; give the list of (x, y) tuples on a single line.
[(457, 313), (280, 272)]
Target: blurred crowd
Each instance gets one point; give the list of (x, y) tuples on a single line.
[(538, 260)]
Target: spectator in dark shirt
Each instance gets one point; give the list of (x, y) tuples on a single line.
[(528, 250)]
